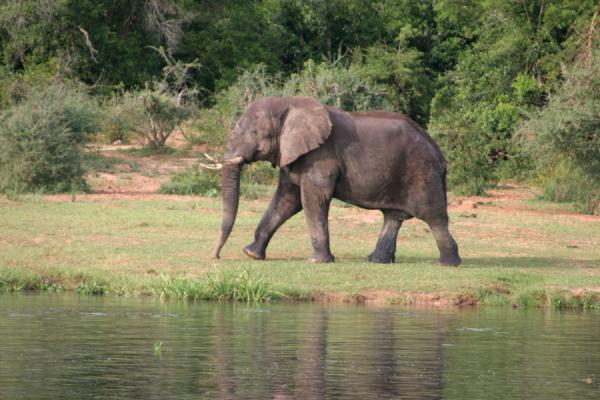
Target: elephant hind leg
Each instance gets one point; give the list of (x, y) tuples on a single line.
[(446, 244), (385, 250)]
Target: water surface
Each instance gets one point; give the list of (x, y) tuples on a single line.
[(77, 347)]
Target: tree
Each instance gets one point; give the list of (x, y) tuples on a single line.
[(564, 137), (511, 61)]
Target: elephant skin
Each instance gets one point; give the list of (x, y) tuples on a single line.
[(374, 160)]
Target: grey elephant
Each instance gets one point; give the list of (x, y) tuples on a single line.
[(374, 160)]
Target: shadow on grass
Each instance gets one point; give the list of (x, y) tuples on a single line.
[(467, 262), (511, 262)]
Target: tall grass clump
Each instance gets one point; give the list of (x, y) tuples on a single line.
[(41, 140), (242, 287), (17, 280), (229, 286), (180, 288)]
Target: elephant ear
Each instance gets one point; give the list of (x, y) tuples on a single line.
[(306, 127)]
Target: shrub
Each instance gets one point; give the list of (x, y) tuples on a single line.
[(14, 87), (193, 181), (162, 114), (563, 182), (215, 123), (344, 86), (261, 173), (564, 138), (467, 149), (256, 182), (401, 75), (119, 117), (40, 140), (152, 114)]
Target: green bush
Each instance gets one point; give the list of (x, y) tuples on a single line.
[(120, 116), (406, 84), (14, 87), (151, 114), (345, 86), (563, 139), (467, 149), (40, 140), (260, 173), (162, 114), (215, 123), (154, 112), (257, 181), (336, 84), (563, 182), (193, 181)]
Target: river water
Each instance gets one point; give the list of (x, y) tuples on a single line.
[(80, 347)]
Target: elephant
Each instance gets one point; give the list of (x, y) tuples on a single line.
[(373, 160)]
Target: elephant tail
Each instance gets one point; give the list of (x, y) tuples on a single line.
[(444, 184)]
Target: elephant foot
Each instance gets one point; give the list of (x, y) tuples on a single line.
[(381, 258), (451, 261), (317, 258), (252, 252)]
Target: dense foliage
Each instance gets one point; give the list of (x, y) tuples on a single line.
[(473, 71), (564, 137)]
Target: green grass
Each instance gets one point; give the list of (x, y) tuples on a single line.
[(529, 258)]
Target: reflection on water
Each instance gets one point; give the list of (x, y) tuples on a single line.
[(70, 347)]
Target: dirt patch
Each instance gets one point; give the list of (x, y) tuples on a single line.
[(387, 297), (465, 300), (583, 291), (511, 198), (123, 195), (141, 174), (358, 216), (328, 297)]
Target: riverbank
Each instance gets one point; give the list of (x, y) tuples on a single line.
[(516, 250)]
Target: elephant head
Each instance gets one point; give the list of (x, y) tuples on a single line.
[(275, 129)]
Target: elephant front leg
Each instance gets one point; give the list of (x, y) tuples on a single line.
[(315, 201), (285, 203)]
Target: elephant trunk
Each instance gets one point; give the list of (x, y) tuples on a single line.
[(230, 186)]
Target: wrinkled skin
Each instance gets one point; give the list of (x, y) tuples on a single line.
[(374, 160)]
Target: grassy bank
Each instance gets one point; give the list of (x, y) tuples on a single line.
[(516, 251)]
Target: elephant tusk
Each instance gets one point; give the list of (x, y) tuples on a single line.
[(234, 161), (211, 166), (210, 158), (215, 165)]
